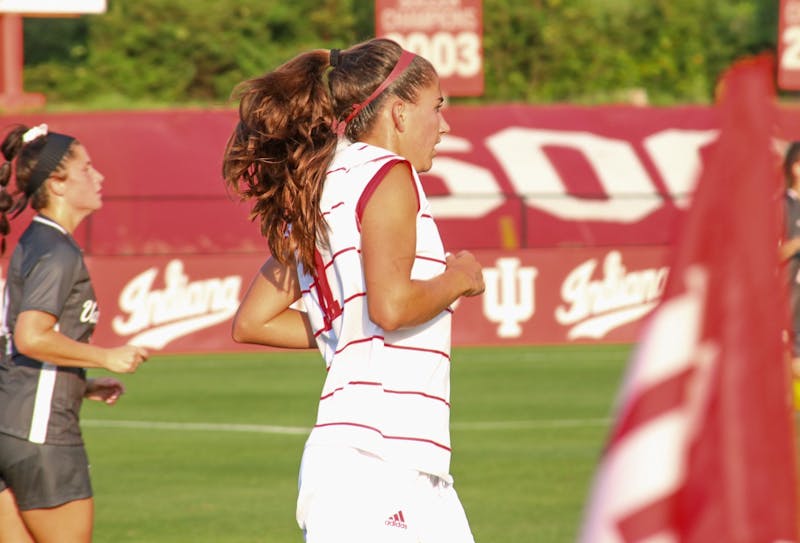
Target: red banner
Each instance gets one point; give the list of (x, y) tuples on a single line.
[(569, 208), (505, 177), (449, 33), (185, 303)]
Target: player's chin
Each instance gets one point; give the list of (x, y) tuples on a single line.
[(426, 165)]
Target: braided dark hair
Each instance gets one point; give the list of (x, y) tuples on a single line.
[(22, 159)]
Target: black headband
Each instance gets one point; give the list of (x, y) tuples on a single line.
[(50, 157)]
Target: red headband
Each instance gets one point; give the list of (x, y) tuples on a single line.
[(402, 63)]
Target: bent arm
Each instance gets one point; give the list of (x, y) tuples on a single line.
[(264, 316), (35, 336), (388, 238)]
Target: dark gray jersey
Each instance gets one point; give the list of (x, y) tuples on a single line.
[(40, 401)]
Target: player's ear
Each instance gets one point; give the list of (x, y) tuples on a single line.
[(57, 184), (399, 114)]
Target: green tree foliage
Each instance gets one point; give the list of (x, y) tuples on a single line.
[(181, 51), (593, 50), (177, 52)]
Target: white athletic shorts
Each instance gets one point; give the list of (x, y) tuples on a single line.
[(351, 496)]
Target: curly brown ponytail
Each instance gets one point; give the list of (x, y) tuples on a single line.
[(279, 153), (281, 148)]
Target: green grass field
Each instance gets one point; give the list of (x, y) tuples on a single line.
[(207, 448)]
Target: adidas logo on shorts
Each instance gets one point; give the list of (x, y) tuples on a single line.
[(397, 521)]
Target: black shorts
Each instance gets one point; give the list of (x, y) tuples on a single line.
[(43, 476)]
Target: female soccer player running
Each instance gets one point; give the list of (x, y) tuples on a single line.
[(49, 313), (327, 149)]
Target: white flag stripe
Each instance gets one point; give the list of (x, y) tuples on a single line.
[(669, 339), (633, 483)]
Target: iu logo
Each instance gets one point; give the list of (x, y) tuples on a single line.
[(509, 296)]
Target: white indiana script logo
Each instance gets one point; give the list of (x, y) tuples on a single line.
[(593, 307), (598, 306), (157, 317)]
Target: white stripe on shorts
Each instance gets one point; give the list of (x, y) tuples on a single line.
[(41, 406)]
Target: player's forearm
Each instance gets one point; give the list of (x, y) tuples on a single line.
[(56, 348), (415, 302), (289, 329)]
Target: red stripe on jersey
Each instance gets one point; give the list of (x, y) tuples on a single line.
[(420, 439), (404, 438), (321, 266), (351, 298), (328, 212), (357, 341), (423, 394), (327, 302), (369, 190), (334, 391), (339, 253), (372, 384), (419, 349), (354, 296), (393, 346), (335, 255)]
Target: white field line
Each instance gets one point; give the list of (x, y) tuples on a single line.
[(195, 426), (533, 424), (297, 430)]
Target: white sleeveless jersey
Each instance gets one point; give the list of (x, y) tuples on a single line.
[(386, 392)]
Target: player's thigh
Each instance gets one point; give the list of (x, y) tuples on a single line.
[(44, 476), (438, 514), (348, 495), (12, 528), (67, 523)]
